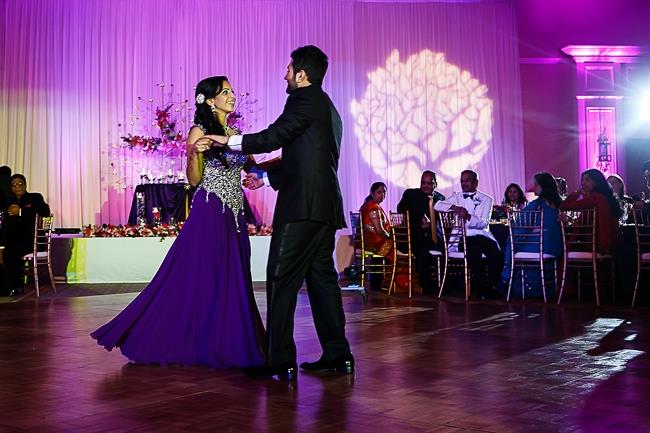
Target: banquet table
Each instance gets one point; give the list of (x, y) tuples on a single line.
[(128, 260)]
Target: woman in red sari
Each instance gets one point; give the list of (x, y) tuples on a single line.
[(596, 193), (376, 225)]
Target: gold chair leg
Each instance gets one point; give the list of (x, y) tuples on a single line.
[(596, 284), (391, 286), (409, 276), (467, 281), (438, 263), (512, 274), (636, 283), (541, 274), (564, 271), (49, 268), (444, 277), (35, 263)]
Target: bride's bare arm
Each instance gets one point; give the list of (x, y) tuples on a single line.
[(196, 144)]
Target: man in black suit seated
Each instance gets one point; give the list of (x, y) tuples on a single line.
[(308, 211), (419, 202), (18, 229)]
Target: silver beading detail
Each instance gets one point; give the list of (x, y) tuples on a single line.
[(200, 98), (225, 182)]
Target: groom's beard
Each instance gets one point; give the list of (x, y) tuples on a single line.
[(291, 86)]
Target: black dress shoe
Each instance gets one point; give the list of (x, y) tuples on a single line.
[(288, 371), (343, 364)]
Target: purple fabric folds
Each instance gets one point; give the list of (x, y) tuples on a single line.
[(199, 309)]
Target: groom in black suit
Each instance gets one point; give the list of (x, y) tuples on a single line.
[(308, 212)]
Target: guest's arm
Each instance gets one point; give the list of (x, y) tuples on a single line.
[(375, 218), (39, 205), (577, 200), (479, 217), (445, 205), (451, 205), (403, 204)]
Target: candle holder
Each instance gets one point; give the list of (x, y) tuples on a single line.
[(141, 217), (156, 215)]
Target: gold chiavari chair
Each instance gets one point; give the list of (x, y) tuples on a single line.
[(454, 247), (437, 256), (401, 231), (642, 233), (41, 255), (526, 229), (579, 242), (367, 261)]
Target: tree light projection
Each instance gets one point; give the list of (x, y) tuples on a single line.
[(424, 113)]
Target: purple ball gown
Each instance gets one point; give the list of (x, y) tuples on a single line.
[(199, 308)]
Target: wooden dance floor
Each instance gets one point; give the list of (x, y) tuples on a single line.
[(422, 366)]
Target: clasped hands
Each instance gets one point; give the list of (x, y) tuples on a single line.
[(250, 181), (207, 141), (13, 210), (461, 211)]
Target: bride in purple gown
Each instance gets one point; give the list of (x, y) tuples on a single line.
[(199, 308)]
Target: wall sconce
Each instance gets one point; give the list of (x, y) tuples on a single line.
[(604, 157)]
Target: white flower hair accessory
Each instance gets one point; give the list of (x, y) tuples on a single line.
[(200, 98)]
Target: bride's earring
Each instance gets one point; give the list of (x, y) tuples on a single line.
[(213, 109)]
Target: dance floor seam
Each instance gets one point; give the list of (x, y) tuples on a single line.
[(424, 365)]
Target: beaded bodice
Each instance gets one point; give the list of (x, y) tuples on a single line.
[(224, 180)]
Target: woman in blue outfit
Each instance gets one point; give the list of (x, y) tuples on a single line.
[(548, 201)]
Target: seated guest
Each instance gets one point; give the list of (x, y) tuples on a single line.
[(642, 201), (548, 201), (618, 188), (375, 224), (18, 229), (514, 197), (596, 193), (376, 229), (476, 207), (419, 202)]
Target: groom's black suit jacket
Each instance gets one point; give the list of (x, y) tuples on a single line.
[(309, 131)]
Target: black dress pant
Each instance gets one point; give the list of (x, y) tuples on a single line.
[(18, 241), (482, 245), (302, 251), (424, 263)]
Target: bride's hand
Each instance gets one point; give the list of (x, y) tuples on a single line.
[(217, 140), (202, 144)]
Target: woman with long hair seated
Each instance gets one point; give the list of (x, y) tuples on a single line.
[(596, 193), (624, 201), (514, 197), (375, 224), (548, 201)]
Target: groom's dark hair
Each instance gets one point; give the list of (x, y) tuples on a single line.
[(311, 60)]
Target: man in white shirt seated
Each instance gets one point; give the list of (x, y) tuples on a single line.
[(476, 208)]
